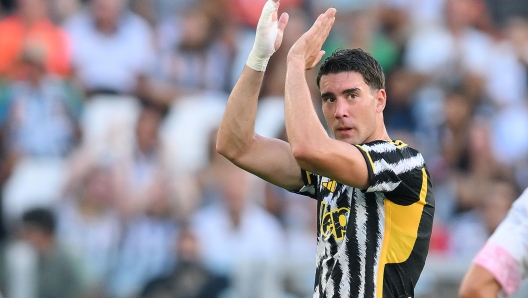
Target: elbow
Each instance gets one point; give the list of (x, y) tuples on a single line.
[(304, 156), (230, 148), (222, 147), (299, 152)]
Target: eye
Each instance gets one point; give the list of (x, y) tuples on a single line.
[(351, 95), (329, 99)]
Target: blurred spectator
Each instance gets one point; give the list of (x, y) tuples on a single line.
[(156, 11), (61, 10), (454, 132), (239, 239), (38, 124), (54, 270), (189, 278), (482, 160), (89, 225), (39, 115), (399, 111), (138, 170), (298, 216), (209, 177), (481, 208), (501, 11), (516, 30), (360, 28), (30, 25), (496, 205), (147, 247), (112, 55), (193, 54), (453, 52), (144, 161)]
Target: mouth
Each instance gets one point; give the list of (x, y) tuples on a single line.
[(344, 130)]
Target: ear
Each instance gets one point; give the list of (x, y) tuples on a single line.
[(381, 100)]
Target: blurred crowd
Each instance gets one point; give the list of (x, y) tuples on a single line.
[(110, 182)]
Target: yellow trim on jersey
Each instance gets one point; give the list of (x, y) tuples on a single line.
[(308, 178), (370, 158), (401, 231), (399, 144), (383, 253)]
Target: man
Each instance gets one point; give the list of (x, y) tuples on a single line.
[(47, 269), (376, 205), (31, 25), (502, 263)]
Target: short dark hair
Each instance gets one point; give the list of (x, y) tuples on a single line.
[(345, 60), (40, 218)]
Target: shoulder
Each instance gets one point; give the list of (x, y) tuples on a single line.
[(393, 150)]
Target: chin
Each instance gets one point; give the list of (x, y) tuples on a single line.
[(349, 140)]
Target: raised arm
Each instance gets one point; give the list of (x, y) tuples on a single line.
[(270, 159)]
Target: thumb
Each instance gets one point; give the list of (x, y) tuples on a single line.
[(317, 59)]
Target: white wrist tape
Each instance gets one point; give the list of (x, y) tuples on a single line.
[(264, 45)]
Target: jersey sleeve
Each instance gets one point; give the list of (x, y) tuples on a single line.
[(310, 184), (396, 170), (505, 255)]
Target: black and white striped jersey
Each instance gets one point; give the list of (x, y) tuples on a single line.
[(374, 242)]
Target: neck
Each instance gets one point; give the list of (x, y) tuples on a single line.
[(380, 134)]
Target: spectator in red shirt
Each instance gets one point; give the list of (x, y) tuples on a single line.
[(31, 24)]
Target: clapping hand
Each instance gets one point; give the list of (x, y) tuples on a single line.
[(270, 30), (308, 47)]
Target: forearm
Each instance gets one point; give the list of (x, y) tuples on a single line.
[(237, 129), (303, 127)]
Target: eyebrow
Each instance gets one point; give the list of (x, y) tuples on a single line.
[(346, 91)]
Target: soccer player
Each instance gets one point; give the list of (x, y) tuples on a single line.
[(501, 265), (375, 202)]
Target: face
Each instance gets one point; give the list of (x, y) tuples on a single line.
[(350, 107), (107, 12)]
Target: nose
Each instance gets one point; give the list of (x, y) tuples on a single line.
[(341, 109)]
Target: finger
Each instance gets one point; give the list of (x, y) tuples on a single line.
[(269, 10), (275, 13), (283, 21), (328, 19), (331, 12)]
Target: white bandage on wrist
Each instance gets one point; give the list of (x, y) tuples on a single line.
[(266, 35)]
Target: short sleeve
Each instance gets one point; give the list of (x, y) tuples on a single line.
[(502, 265), (310, 184), (508, 247), (396, 170)]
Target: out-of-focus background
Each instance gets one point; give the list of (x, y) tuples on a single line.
[(110, 184)]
